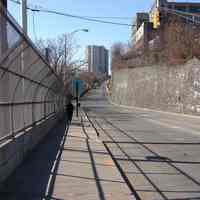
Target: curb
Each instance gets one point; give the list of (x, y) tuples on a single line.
[(158, 111)]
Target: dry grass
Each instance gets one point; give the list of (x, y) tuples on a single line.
[(179, 42)]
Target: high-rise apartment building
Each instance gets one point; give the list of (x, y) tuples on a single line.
[(97, 57)]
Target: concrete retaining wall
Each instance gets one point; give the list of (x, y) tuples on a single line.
[(13, 152), (168, 88)]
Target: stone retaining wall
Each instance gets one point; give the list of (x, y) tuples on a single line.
[(161, 87)]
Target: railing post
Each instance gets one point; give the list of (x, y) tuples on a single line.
[(45, 114), (23, 63)]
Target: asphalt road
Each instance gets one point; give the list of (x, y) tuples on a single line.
[(157, 153)]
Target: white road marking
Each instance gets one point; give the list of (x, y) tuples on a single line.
[(186, 130)]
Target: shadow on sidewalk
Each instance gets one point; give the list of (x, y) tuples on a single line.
[(35, 178)]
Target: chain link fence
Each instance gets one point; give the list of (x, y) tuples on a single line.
[(30, 90)]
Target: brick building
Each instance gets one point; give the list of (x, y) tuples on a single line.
[(147, 30)]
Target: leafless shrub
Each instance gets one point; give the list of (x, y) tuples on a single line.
[(179, 42), (119, 55), (118, 50), (62, 51), (88, 77)]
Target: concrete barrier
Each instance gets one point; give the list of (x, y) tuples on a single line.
[(14, 151)]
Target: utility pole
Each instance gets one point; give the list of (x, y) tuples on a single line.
[(23, 61), (24, 16), (4, 3), (25, 30)]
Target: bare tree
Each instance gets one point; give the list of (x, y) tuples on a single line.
[(88, 77), (181, 41), (118, 50), (62, 51)]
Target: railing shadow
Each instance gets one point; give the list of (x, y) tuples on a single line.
[(35, 178)]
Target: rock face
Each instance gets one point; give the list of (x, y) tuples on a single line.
[(160, 87)]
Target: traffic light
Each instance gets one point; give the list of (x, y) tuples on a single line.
[(156, 19)]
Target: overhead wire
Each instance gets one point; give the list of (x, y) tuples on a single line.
[(109, 17), (173, 11), (86, 18), (16, 1), (182, 14), (97, 19)]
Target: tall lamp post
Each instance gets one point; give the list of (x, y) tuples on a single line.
[(77, 84), (72, 33), (78, 30)]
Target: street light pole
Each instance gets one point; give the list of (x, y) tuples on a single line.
[(65, 63), (78, 30), (77, 85), (72, 33)]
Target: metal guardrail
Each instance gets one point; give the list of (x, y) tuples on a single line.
[(30, 90)]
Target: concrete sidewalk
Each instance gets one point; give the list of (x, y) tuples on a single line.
[(71, 164), (86, 170)]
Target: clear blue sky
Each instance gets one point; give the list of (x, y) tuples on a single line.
[(49, 26)]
